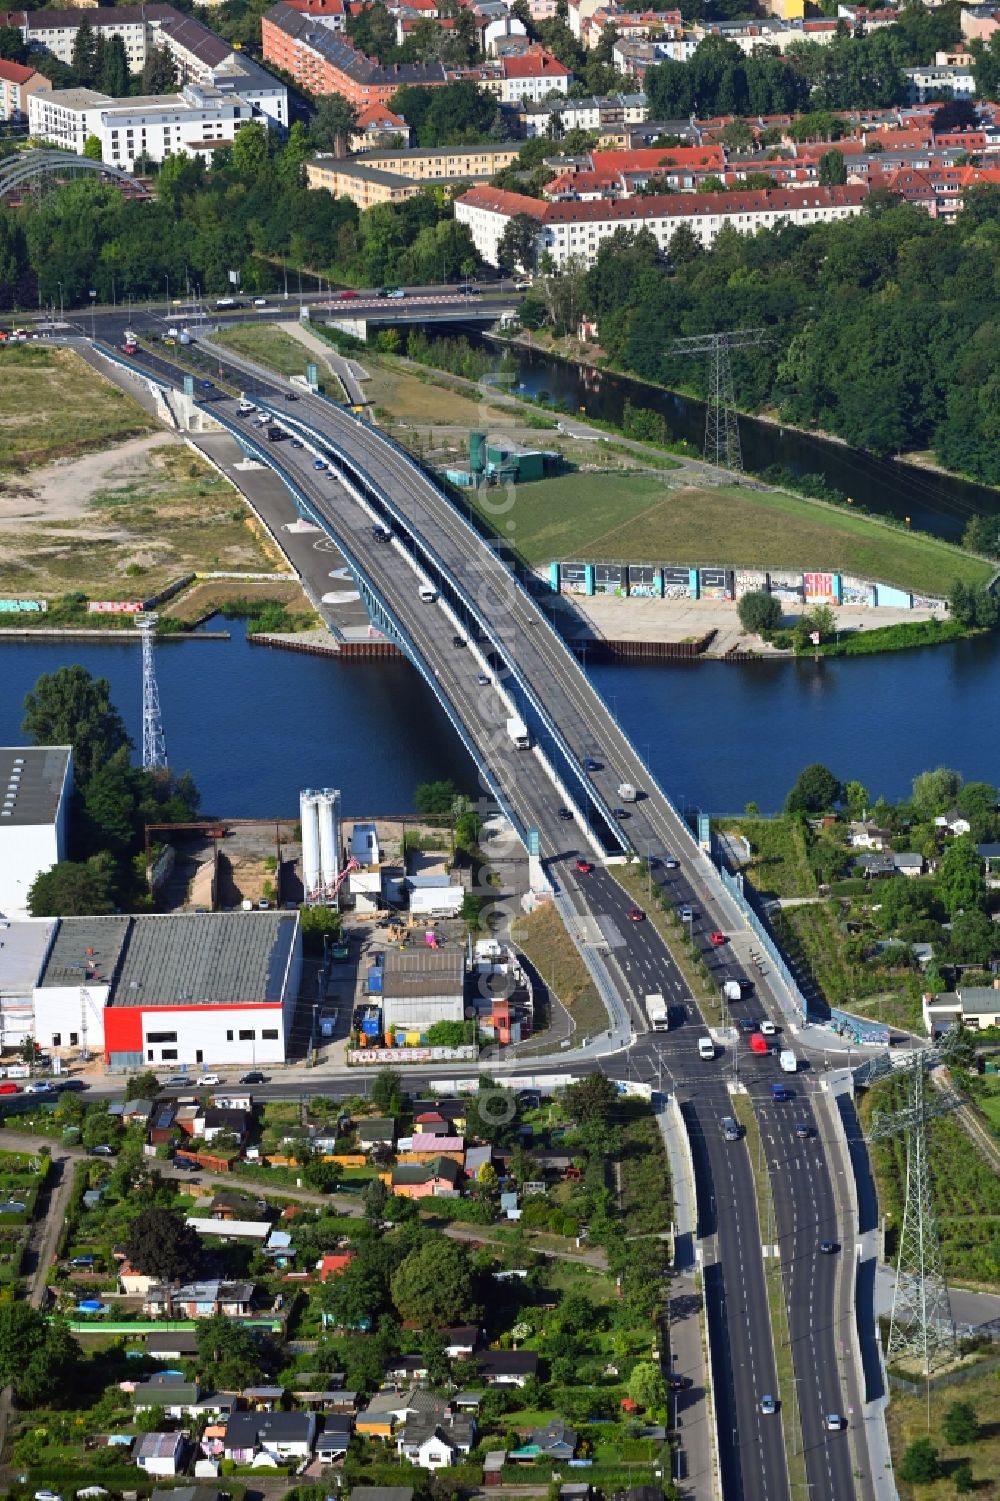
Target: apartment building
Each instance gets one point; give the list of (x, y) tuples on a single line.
[(392, 176), (17, 84), (573, 231), (323, 62)]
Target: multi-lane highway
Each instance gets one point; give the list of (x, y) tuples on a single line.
[(501, 633)]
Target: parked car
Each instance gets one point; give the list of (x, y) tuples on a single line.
[(207, 1079), (101, 1150), (39, 1086), (253, 1077), (176, 1081), (8, 1088), (185, 1165), (83, 1261)]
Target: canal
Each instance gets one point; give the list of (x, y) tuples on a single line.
[(254, 724)]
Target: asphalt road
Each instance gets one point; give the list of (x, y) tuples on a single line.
[(583, 735)]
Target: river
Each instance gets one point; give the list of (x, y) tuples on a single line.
[(255, 724), (937, 503)]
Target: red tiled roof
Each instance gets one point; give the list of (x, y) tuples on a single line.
[(649, 158), (535, 64), (15, 72), (664, 205)]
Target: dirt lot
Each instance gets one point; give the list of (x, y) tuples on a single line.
[(126, 521)]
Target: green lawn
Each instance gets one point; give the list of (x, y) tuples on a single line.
[(779, 863), (618, 517), (270, 345), (53, 406), (911, 1416)]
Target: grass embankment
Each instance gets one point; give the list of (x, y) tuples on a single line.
[(269, 345), (622, 518), (966, 1191), (816, 938), (784, 1365), (779, 861), (704, 991), (912, 1416), (542, 936), (54, 406), (267, 604)]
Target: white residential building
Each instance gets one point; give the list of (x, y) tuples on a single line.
[(954, 81), (573, 231), (36, 783)]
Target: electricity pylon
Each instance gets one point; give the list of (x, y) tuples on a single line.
[(154, 746), (722, 428), (922, 1324)]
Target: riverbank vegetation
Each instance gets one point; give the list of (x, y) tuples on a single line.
[(111, 804), (876, 328), (912, 1415), (875, 903)]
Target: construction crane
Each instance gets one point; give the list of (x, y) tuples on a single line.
[(922, 1325), (722, 428)]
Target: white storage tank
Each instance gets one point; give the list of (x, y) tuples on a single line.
[(309, 818), (328, 806)]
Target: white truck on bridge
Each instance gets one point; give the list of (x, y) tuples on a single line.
[(626, 792), (658, 1013), (517, 730)]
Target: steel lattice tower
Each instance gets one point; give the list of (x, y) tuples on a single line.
[(154, 745), (922, 1324), (722, 428)]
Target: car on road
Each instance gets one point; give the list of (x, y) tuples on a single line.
[(834, 1422), (828, 1247), (297, 443), (768, 1405), (253, 1077), (730, 1128), (395, 293), (591, 765), (318, 464), (584, 867), (347, 295), (483, 679), (748, 1024), (521, 286), (636, 914), (101, 1150), (769, 1029), (803, 1130), (176, 1081), (469, 290), (670, 862), (39, 1086), (290, 396), (458, 641), (260, 302), (677, 1383), (8, 1088), (686, 914), (717, 939), (185, 1165), (207, 1079), (621, 813), (565, 815), (758, 1045), (206, 385)]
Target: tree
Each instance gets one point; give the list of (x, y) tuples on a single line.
[(437, 797), (759, 611), (518, 244), (318, 924), (114, 68), (433, 1286), (953, 115), (38, 1356), (159, 74), (69, 889), (228, 1353), (934, 791), (646, 1386), (961, 1478), (856, 799), (160, 1244), (960, 1424), (375, 1197), (974, 940), (250, 150), (333, 123), (145, 1086), (592, 1099), (960, 876), (817, 790), (83, 59), (12, 47), (832, 169), (387, 1091), (323, 1177), (920, 1464), (69, 707)]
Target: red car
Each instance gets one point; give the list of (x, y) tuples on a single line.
[(347, 296), (8, 1089), (636, 914), (758, 1044), (717, 938), (584, 867)]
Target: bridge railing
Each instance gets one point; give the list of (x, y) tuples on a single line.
[(734, 886)]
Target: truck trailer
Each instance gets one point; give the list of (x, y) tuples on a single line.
[(658, 1012)]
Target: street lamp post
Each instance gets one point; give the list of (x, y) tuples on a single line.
[(61, 314)]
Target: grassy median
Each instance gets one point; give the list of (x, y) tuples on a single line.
[(542, 936), (784, 1365)]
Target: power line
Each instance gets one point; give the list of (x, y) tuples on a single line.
[(154, 745), (722, 428)]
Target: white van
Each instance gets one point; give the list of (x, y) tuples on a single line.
[(427, 593), (706, 1048)]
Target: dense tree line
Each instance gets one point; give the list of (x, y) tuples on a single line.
[(881, 329), (249, 212)]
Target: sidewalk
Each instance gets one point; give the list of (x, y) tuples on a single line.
[(348, 372), (696, 1462)]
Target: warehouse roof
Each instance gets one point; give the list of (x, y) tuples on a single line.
[(32, 783), (22, 954), (219, 958), (86, 950), (417, 972)]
